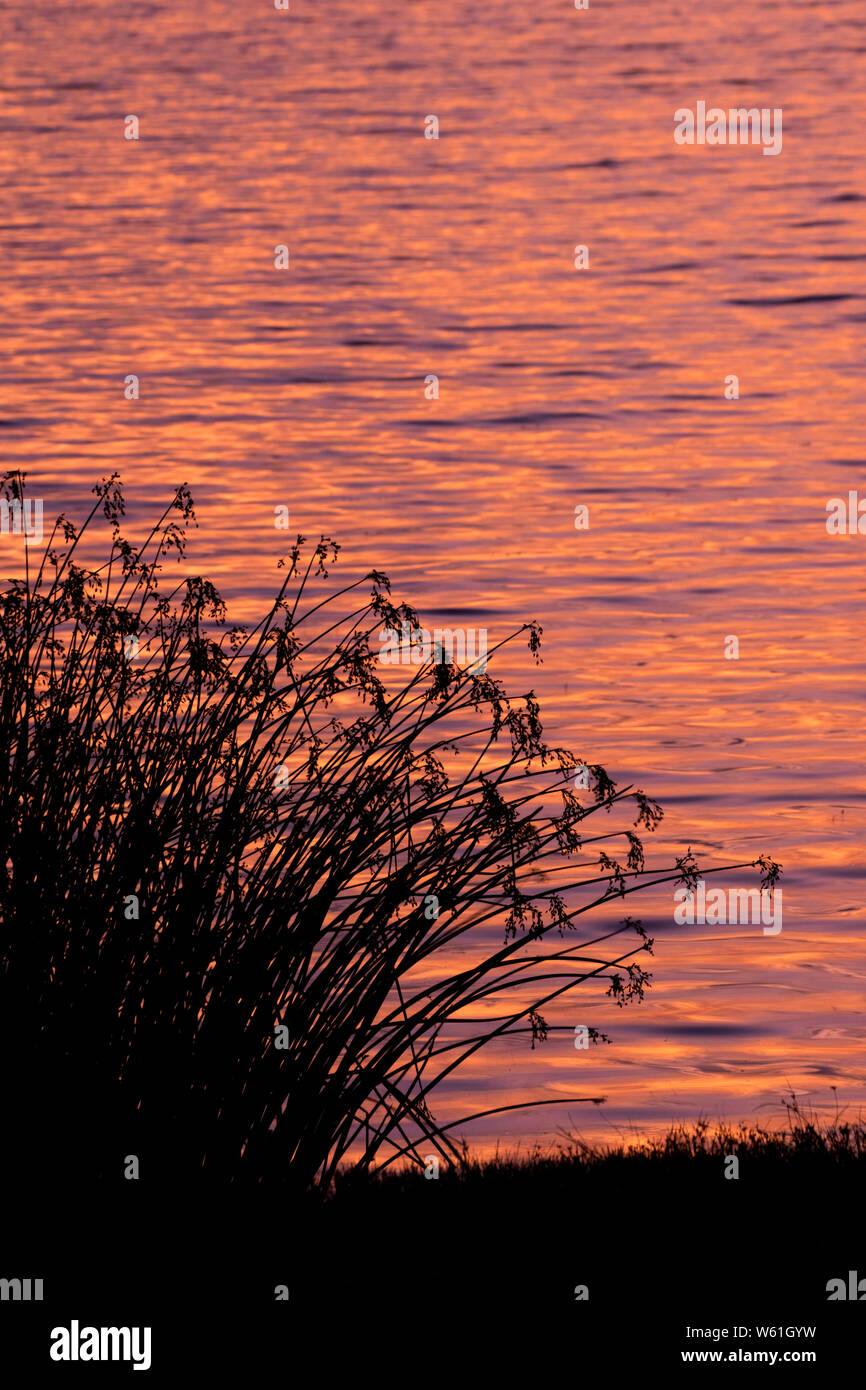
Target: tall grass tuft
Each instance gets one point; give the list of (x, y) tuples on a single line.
[(258, 902)]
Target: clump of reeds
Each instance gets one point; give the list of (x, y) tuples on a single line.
[(228, 914)]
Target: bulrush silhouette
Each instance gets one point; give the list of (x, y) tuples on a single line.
[(228, 916)]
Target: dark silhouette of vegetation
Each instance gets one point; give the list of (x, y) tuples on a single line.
[(659, 1231), (228, 914), (805, 1147)]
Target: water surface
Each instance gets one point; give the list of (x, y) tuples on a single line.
[(558, 388)]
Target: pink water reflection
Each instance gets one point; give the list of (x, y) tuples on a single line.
[(557, 388)]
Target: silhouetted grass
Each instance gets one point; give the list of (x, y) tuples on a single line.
[(805, 1149), (202, 862)]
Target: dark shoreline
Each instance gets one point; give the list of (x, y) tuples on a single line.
[(477, 1271)]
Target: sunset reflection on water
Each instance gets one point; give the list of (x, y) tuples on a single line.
[(558, 387)]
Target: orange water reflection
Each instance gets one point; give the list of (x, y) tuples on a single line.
[(557, 388)]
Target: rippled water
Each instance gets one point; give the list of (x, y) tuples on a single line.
[(602, 387)]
